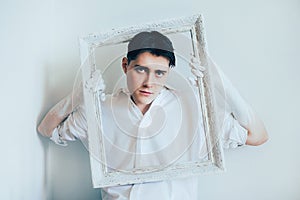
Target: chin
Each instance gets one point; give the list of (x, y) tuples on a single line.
[(145, 100)]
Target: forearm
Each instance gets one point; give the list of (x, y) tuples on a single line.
[(249, 120), (243, 112), (55, 116), (252, 130), (257, 133), (69, 104), (48, 124)]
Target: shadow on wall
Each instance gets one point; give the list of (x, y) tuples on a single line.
[(67, 173)]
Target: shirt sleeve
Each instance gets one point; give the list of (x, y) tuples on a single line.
[(233, 134), (72, 128), (230, 106), (231, 109)]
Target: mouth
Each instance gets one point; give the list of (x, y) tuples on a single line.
[(145, 93)]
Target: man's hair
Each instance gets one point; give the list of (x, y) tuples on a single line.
[(152, 42)]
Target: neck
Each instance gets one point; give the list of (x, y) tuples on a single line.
[(142, 107)]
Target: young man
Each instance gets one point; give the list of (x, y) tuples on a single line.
[(141, 122)]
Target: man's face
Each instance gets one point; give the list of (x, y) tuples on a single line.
[(146, 76)]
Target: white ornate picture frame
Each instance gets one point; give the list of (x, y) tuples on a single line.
[(193, 28)]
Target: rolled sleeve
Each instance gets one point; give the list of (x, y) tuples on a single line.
[(234, 134), (72, 128)]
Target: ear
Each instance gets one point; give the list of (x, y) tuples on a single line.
[(124, 64)]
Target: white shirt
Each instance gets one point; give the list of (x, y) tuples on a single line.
[(135, 142), (163, 135)]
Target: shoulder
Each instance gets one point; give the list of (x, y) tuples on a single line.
[(167, 97), (168, 91), (117, 98)]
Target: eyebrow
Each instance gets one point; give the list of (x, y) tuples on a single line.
[(140, 66), (148, 68), (158, 70)]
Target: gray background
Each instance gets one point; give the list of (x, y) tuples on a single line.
[(255, 42)]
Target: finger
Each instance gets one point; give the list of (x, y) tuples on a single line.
[(100, 87), (194, 60), (197, 73), (197, 67), (201, 68)]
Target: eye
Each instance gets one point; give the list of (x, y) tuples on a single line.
[(160, 73), (140, 69)]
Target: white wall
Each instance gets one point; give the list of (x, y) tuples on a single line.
[(255, 42)]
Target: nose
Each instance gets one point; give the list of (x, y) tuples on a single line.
[(149, 80)]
